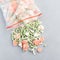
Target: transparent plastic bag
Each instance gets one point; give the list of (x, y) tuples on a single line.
[(22, 16), (17, 11)]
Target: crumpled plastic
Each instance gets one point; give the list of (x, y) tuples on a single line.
[(22, 17), (17, 11)]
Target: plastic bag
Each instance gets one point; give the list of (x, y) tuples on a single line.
[(17, 11), (22, 16)]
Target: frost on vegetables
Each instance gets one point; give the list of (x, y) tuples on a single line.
[(29, 36), (22, 17)]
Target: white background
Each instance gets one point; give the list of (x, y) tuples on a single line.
[(51, 21)]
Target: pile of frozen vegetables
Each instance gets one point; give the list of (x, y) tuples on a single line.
[(22, 17), (29, 36)]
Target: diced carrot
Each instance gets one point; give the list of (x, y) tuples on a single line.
[(14, 5), (25, 47), (15, 43), (39, 50), (36, 42), (24, 41)]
